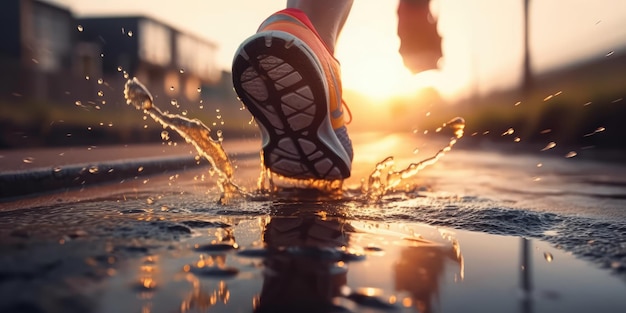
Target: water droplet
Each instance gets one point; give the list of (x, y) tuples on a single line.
[(509, 131), (184, 113), (182, 70), (100, 93), (140, 169), (571, 154), (457, 124), (78, 103), (93, 170), (517, 139), (119, 68), (517, 103), (550, 145), (28, 160), (610, 53), (80, 28), (174, 102), (130, 33), (165, 135), (373, 249), (102, 55), (539, 164), (57, 169), (100, 81), (548, 256), (199, 89), (86, 77), (172, 88), (371, 297)]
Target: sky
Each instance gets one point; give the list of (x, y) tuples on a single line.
[(482, 39)]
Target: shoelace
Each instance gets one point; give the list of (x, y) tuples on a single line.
[(345, 105)]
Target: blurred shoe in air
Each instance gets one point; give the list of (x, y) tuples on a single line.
[(420, 44)]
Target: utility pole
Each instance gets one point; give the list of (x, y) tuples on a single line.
[(527, 72), (526, 283)]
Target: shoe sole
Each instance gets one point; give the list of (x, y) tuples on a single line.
[(281, 82)]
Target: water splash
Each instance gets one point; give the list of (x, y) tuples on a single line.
[(549, 146), (383, 179), (379, 182), (192, 130)]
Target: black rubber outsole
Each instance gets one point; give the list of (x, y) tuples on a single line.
[(280, 84)]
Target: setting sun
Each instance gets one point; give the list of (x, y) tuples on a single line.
[(368, 52), (381, 76)]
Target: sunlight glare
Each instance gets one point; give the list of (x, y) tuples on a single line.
[(384, 79), (371, 64)]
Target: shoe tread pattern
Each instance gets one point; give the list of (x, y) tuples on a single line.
[(283, 90)]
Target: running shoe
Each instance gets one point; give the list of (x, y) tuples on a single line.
[(290, 82)]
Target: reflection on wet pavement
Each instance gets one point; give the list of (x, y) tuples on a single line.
[(272, 256), (163, 244)]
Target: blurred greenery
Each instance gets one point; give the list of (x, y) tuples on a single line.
[(580, 107), (26, 123)]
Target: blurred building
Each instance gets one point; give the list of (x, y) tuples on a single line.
[(56, 67), (47, 54), (169, 62), (36, 49)]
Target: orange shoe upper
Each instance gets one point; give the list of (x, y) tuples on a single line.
[(295, 22)]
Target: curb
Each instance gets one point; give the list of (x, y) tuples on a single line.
[(22, 183)]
